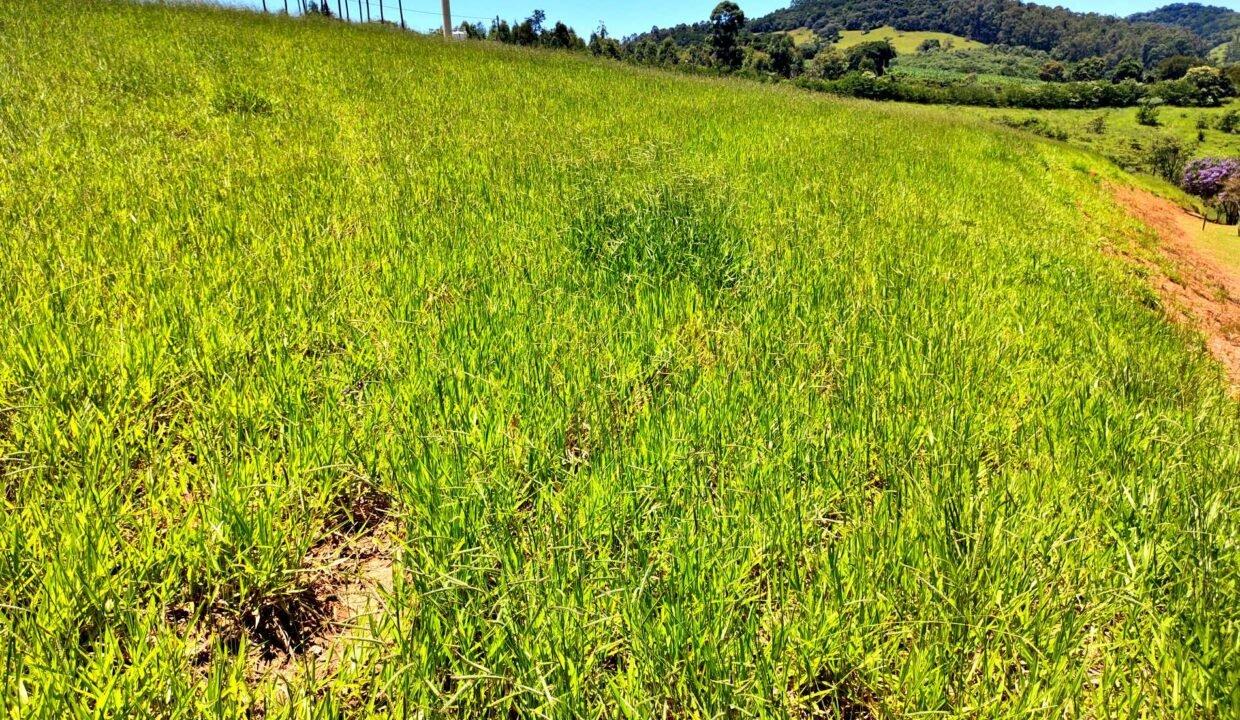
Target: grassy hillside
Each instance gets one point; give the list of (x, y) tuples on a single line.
[(1118, 135), (905, 42), (637, 395)]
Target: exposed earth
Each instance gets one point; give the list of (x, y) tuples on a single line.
[(1204, 288)]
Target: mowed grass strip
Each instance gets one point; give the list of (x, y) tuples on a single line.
[(677, 397)]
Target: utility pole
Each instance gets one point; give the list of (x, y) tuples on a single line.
[(400, 5), (447, 19)]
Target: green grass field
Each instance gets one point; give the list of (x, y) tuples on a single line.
[(676, 397), (1125, 140), (905, 42)]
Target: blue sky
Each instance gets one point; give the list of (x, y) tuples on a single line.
[(624, 17)]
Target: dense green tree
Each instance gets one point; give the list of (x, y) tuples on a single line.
[(669, 53), (1127, 70), (726, 22), (563, 37), (785, 58), (1053, 71), (1211, 86), (1175, 67), (500, 31), (929, 45), (603, 45), (828, 64), (1089, 69), (874, 56)]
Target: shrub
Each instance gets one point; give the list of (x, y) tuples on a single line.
[(1147, 112), (1175, 67), (1053, 71), (828, 64), (1210, 85), (1035, 125), (1089, 69), (1166, 158), (1206, 177), (1229, 122), (1128, 70), (1227, 202), (874, 56)]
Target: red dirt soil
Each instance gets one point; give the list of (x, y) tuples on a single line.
[(1205, 292)]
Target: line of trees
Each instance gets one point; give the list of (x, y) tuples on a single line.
[(726, 44), (530, 32)]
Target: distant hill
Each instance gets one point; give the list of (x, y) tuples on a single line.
[(1213, 24), (1066, 34)]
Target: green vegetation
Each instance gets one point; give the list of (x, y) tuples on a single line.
[(1117, 133), (679, 397), (990, 64), (905, 43), (1070, 36)]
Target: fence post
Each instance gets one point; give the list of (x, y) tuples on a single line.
[(381, 11), (400, 5)]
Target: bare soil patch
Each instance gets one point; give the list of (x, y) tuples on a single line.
[(1201, 291), (347, 582)]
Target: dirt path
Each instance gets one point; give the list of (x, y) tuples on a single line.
[(1205, 289)]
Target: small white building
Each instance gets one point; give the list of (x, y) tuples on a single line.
[(459, 35)]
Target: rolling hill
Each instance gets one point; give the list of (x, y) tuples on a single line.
[(1215, 25), (1070, 35), (350, 373)]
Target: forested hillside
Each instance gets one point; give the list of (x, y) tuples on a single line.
[(1071, 36), (1215, 25)]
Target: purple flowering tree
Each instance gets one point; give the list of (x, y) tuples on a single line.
[(1207, 177)]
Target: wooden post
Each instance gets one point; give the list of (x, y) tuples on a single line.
[(447, 19), (400, 5), (380, 10), (264, 6), (359, 10), (286, 7), (340, 9), (367, 10)]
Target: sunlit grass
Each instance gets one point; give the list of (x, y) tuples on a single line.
[(682, 397), (1117, 134), (906, 42)]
